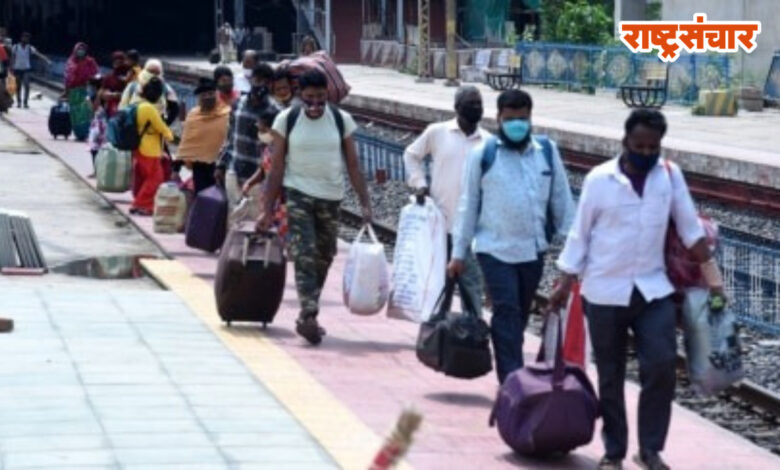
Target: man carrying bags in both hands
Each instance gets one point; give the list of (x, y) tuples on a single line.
[(312, 146), (616, 246), (449, 144)]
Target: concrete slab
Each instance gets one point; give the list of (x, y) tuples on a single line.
[(87, 380)]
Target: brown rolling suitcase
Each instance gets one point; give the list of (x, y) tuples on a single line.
[(251, 274)]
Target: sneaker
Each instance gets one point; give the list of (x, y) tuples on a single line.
[(608, 463), (6, 325), (650, 461), (310, 330)]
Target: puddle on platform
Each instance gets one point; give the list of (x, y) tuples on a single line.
[(105, 267)]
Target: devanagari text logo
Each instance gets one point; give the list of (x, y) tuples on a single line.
[(697, 36)]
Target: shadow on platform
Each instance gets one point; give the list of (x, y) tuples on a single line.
[(461, 399)]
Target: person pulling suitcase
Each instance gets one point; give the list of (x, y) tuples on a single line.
[(312, 147)]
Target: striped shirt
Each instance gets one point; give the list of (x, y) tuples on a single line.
[(242, 150)]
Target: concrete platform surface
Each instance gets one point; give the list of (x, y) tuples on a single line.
[(349, 391), (744, 148)]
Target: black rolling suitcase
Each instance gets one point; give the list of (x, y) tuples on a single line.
[(59, 120), (251, 274)]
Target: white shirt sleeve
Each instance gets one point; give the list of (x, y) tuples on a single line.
[(413, 159), (686, 219), (575, 252)]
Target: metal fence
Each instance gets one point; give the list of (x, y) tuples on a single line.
[(377, 154), (579, 66), (752, 280)]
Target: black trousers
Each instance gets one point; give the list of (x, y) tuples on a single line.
[(653, 325), (203, 175), (22, 82)]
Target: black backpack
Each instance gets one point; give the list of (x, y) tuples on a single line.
[(458, 345)]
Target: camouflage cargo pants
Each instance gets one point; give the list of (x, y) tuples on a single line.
[(313, 231)]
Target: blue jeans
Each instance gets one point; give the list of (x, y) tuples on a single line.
[(512, 288), (653, 324)]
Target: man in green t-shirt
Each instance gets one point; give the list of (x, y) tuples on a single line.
[(312, 147)]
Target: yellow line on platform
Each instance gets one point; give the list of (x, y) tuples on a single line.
[(341, 433)]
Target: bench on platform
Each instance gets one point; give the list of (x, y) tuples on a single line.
[(652, 89), (510, 76)]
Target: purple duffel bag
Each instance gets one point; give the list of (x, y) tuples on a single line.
[(543, 410), (207, 222)]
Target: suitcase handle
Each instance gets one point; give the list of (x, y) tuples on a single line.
[(248, 238)]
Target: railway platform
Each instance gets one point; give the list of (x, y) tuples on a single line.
[(745, 148), (348, 392)]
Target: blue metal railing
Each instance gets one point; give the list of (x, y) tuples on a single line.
[(377, 154), (594, 67)]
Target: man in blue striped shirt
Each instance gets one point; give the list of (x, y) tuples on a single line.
[(507, 197)]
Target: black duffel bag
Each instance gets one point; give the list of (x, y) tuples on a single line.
[(456, 344)]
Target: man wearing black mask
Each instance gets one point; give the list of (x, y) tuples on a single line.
[(449, 144), (616, 246), (241, 153), (223, 77)]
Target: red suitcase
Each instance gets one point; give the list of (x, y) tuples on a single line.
[(337, 86)]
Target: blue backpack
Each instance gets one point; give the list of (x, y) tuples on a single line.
[(489, 157), (122, 130)]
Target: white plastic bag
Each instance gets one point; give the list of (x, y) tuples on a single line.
[(711, 344), (366, 285), (419, 262)]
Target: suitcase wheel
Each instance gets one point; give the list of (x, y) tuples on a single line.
[(265, 325), (228, 323)]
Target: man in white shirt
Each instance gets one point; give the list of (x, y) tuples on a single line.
[(22, 67), (616, 245), (449, 144), (243, 82)]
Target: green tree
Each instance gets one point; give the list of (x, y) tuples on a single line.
[(577, 21)]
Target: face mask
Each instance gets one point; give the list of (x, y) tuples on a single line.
[(81, 53), (516, 130), (265, 137), (226, 88), (283, 97), (472, 114), (642, 163)]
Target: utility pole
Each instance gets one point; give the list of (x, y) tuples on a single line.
[(328, 28), (452, 54), (218, 19), (238, 14), (424, 45)]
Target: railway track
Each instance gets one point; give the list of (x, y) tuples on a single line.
[(732, 193), (748, 395)]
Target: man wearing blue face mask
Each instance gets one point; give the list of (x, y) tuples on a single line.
[(515, 196), (616, 246)]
